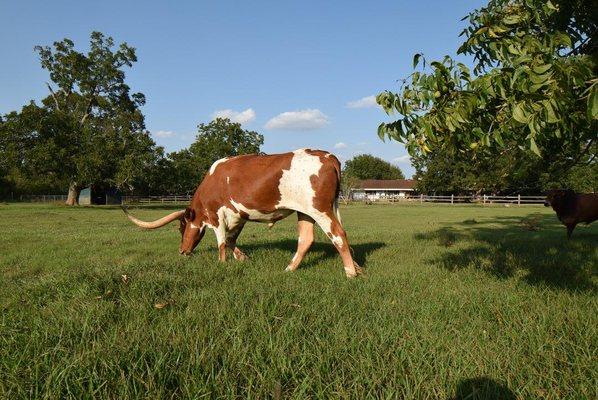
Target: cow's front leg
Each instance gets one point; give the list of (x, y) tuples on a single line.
[(231, 241), (221, 240)]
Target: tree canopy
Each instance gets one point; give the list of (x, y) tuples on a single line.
[(533, 88), (366, 166), (218, 139), (89, 129)]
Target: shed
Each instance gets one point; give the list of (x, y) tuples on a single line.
[(98, 195)]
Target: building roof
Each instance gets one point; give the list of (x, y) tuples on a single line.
[(396, 184)]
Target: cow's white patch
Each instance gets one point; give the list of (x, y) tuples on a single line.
[(294, 257), (296, 191), (337, 240), (299, 239), (194, 226), (227, 180), (213, 167), (256, 215)]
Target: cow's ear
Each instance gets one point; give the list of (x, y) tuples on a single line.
[(189, 214)]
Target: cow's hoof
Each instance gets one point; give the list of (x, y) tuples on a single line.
[(355, 272), (358, 269), (289, 269)]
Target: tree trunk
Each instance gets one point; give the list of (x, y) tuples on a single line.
[(73, 196)]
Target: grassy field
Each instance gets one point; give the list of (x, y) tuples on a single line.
[(457, 302)]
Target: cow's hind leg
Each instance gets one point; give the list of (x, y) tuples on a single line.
[(334, 230), (305, 228)]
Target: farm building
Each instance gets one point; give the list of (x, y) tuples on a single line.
[(375, 189), (98, 195)]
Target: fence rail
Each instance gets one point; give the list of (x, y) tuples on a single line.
[(484, 199), (42, 198), (186, 198)]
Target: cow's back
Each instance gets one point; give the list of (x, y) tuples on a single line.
[(587, 207), (297, 180)]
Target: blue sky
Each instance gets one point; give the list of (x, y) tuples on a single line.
[(299, 72)]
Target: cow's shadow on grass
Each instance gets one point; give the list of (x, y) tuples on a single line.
[(318, 252), (535, 246), (482, 388)]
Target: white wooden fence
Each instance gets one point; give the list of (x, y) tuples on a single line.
[(452, 199), (422, 198), (184, 198), (483, 199)]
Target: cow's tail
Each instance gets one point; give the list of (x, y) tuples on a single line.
[(337, 167), (337, 212)]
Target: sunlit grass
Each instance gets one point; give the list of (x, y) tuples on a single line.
[(455, 300)]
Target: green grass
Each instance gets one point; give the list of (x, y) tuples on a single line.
[(457, 301)]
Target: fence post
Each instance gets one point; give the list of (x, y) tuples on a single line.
[(518, 200), (421, 198), (452, 198)]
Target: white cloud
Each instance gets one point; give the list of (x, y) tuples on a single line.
[(242, 117), (364, 102), (340, 145), (402, 159), (301, 120), (163, 134)]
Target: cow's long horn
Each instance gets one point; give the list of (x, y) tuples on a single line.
[(157, 223)]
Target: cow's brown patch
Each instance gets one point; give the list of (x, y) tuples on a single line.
[(251, 180), (326, 184)]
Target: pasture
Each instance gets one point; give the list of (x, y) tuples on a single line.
[(491, 302)]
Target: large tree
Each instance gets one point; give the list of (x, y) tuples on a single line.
[(218, 139), (533, 88), (367, 166), (95, 131)]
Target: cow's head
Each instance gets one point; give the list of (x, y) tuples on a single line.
[(558, 198), (191, 225)]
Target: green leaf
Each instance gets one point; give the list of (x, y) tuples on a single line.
[(550, 114), (498, 138), (540, 78), (534, 147), (519, 114), (382, 131), (551, 6), (593, 102), (541, 69), (416, 58)]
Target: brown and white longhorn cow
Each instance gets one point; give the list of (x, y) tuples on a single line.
[(265, 188)]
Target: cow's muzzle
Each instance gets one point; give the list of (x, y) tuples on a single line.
[(546, 204)]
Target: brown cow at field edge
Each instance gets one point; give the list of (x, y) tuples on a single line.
[(265, 188), (573, 208)]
